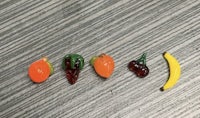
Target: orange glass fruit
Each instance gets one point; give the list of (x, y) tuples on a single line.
[(40, 70), (103, 65)]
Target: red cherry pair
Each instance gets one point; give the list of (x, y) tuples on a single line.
[(139, 67)]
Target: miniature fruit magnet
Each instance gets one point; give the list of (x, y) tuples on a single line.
[(139, 66), (103, 65), (72, 64), (175, 71), (40, 70)]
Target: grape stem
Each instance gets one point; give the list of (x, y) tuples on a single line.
[(142, 59)]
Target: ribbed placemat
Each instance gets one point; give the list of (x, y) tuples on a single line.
[(124, 29)]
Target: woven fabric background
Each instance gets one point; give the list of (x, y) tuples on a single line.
[(124, 29)]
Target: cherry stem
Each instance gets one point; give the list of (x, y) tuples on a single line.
[(142, 59)]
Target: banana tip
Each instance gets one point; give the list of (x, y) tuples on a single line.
[(164, 53), (161, 89)]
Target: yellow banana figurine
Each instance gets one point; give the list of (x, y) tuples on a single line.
[(175, 71)]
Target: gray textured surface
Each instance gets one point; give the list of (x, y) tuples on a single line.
[(124, 29)]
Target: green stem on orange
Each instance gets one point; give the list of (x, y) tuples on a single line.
[(51, 67), (92, 60)]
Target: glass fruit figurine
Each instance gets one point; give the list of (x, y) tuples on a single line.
[(40, 70), (139, 67), (72, 64), (103, 65)]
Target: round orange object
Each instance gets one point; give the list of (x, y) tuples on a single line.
[(39, 71), (104, 65)]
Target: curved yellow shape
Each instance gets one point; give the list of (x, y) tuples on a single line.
[(175, 71)]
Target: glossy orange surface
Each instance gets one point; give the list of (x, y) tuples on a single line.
[(39, 71), (104, 65)]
